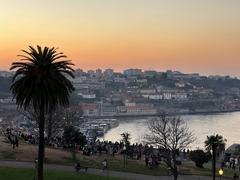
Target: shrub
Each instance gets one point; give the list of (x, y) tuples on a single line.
[(200, 157)]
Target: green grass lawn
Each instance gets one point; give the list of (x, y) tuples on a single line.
[(7, 173), (116, 164), (206, 171)]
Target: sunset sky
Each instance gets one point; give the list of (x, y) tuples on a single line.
[(187, 35)]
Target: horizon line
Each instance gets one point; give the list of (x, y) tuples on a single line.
[(144, 70)]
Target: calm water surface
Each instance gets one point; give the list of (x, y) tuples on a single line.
[(226, 124)]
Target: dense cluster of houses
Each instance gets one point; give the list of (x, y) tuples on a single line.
[(134, 92), (137, 92)]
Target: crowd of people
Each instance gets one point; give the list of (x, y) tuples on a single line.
[(12, 137), (232, 163), (151, 156)]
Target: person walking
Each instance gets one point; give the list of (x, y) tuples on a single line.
[(104, 163)]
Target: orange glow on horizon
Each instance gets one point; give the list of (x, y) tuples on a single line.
[(149, 34)]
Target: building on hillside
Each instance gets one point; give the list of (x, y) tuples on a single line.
[(108, 73), (128, 103), (99, 73), (120, 80), (148, 91), (90, 109), (138, 109), (150, 73), (87, 95), (107, 110), (153, 96), (91, 73), (142, 81), (179, 96), (132, 72), (6, 74)]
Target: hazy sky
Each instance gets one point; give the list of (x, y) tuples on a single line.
[(188, 35)]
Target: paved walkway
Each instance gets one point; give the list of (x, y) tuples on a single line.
[(123, 175)]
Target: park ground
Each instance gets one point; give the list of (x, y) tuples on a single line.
[(28, 153), (7, 173)]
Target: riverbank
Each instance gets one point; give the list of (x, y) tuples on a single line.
[(212, 112)]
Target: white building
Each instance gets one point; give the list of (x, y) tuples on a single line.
[(179, 96), (129, 104), (141, 80), (153, 96), (180, 84), (87, 96), (167, 96), (148, 91)]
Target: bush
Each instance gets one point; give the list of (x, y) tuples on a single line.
[(200, 157)]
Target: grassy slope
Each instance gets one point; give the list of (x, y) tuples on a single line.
[(28, 153)]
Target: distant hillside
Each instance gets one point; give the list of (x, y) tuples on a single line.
[(218, 85), (5, 83)]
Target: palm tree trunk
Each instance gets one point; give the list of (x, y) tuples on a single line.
[(49, 128), (41, 144), (214, 163)]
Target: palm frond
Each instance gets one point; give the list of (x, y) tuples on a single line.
[(42, 78)]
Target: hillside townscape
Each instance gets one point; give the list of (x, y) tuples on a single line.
[(105, 94), (136, 92)]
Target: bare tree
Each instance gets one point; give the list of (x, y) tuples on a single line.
[(60, 118), (56, 120), (172, 135)]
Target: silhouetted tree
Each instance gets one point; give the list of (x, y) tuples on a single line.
[(200, 157), (172, 135), (73, 137), (60, 118), (126, 139), (40, 82), (216, 144)]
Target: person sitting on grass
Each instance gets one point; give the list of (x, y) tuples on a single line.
[(77, 166)]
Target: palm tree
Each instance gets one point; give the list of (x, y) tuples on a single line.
[(216, 143), (40, 82)]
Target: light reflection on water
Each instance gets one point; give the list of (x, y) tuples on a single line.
[(225, 124)]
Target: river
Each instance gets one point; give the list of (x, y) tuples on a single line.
[(225, 124)]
